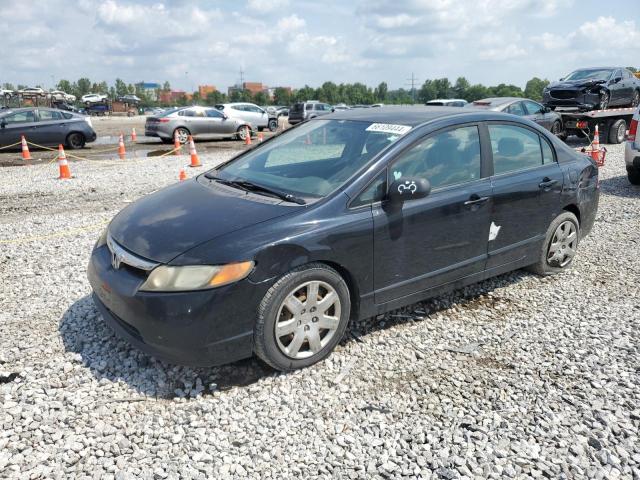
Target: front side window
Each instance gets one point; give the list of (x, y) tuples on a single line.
[(20, 117), (444, 159), (212, 113), (375, 192), (314, 159), (533, 107), (514, 148)]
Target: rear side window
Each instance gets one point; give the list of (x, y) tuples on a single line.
[(514, 148), (547, 151), (532, 107), (67, 115), (515, 109), (308, 106), (444, 159), (20, 117)]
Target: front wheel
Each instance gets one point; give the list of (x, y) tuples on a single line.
[(273, 125), (556, 129), (302, 317), (633, 174), (75, 140), (559, 247), (241, 133), (635, 100)]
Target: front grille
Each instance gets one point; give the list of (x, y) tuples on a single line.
[(564, 94), (122, 258)]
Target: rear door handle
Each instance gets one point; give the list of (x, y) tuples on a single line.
[(475, 200), (547, 183)]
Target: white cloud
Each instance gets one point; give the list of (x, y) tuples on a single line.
[(291, 23), (266, 6)]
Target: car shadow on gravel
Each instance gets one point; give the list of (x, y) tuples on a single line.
[(84, 332), (620, 187)]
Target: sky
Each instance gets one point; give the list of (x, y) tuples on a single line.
[(293, 43)]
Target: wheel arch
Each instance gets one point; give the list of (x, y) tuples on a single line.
[(573, 208)]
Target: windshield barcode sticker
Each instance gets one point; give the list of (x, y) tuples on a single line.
[(388, 128)]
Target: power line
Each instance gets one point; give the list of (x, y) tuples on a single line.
[(413, 81)]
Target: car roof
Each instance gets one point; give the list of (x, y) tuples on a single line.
[(447, 100), (410, 116)]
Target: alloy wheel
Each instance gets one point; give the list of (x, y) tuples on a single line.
[(183, 135), (604, 100), (307, 319), (563, 245), (635, 101)]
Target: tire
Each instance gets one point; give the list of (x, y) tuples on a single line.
[(183, 135), (556, 129), (617, 132), (273, 125), (633, 174), (635, 100), (547, 264), (75, 140), (294, 349), (603, 104), (241, 133)]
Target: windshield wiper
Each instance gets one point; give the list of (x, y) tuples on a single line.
[(254, 187)]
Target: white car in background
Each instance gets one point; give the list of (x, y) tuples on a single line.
[(446, 102), (93, 98), (252, 114), (61, 96), (7, 94), (632, 151), (32, 92)]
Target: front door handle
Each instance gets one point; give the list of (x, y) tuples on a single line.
[(475, 200), (547, 183)]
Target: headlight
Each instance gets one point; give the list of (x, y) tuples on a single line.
[(195, 277)]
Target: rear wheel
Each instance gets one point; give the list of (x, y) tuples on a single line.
[(273, 125), (559, 247), (617, 131), (75, 140), (182, 134), (556, 129), (604, 100), (302, 317), (633, 174)]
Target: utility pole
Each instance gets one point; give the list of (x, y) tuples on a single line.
[(241, 79), (412, 81)]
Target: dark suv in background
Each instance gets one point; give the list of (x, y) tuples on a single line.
[(302, 111)]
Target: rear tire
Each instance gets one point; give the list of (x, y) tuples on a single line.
[(183, 135), (310, 306), (617, 132), (633, 174), (559, 247), (273, 125), (75, 141), (556, 129)]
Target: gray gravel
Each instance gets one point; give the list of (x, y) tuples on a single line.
[(515, 377)]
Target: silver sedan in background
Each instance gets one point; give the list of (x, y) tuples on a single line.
[(523, 107), (199, 122)]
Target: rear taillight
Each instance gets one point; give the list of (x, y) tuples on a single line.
[(633, 128), (582, 124), (164, 120)]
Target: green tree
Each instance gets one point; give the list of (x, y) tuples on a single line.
[(381, 91), (261, 98), (476, 92), (83, 86), (64, 85), (460, 88), (428, 91), (121, 87), (534, 87), (282, 96), (166, 86), (213, 98)]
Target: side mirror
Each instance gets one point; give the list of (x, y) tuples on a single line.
[(546, 109), (617, 79), (409, 188), (561, 79), (225, 116)]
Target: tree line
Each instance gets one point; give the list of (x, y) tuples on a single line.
[(329, 92)]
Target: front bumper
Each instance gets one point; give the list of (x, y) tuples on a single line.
[(583, 101), (199, 328), (631, 156)]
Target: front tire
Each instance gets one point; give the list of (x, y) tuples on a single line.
[(556, 129), (273, 125), (302, 317), (241, 133), (559, 247), (635, 100), (75, 141), (604, 101), (633, 174)]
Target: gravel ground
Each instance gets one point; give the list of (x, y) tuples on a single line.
[(517, 376)]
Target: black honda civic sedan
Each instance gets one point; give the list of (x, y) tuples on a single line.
[(343, 217)]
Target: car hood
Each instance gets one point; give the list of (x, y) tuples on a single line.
[(165, 224), (576, 83)]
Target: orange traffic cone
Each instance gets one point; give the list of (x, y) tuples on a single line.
[(595, 145), (25, 149), (121, 151), (183, 175), (247, 136), (260, 137), (63, 165), (134, 135), (195, 161), (176, 144)]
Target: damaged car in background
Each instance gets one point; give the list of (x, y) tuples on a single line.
[(594, 89)]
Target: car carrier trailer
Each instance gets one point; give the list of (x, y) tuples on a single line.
[(612, 123)]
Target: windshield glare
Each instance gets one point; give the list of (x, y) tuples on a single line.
[(311, 160), (589, 75)]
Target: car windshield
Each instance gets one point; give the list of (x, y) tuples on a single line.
[(314, 159), (594, 74)]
